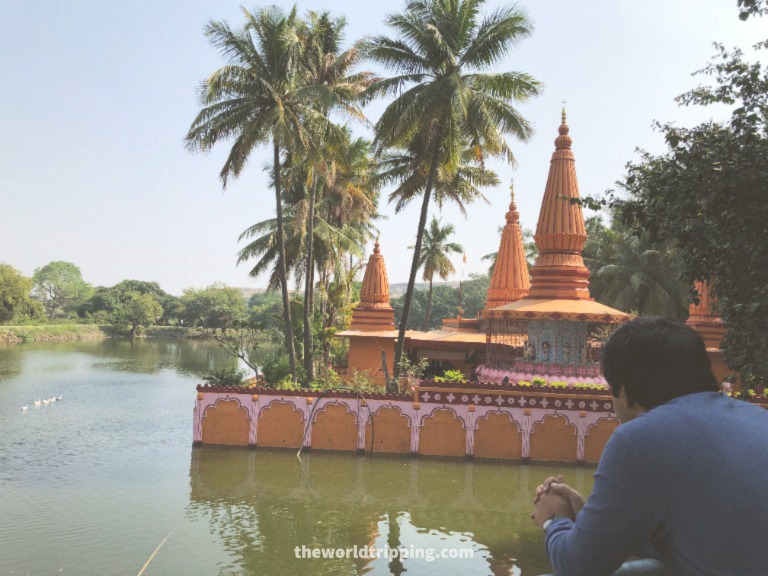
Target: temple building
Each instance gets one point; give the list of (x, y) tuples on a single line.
[(541, 324), (461, 343), (556, 331), (704, 318), (372, 334)]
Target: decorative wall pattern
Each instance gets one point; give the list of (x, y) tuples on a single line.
[(509, 426)]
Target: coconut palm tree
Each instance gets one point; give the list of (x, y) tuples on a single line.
[(261, 97), (330, 69), (628, 272), (438, 56), (434, 256)]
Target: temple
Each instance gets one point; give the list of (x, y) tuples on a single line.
[(704, 318), (372, 333), (534, 388)]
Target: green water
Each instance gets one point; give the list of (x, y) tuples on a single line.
[(94, 483)]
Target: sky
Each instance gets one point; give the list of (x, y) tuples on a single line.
[(97, 97)]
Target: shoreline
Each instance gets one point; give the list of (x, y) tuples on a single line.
[(11, 335)]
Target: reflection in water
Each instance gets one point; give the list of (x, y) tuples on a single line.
[(98, 480), (264, 503)]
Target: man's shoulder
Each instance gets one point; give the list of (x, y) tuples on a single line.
[(690, 415)]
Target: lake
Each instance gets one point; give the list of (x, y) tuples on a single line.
[(107, 481)]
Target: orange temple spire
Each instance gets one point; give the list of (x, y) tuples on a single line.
[(703, 317), (510, 281), (559, 272), (374, 311)]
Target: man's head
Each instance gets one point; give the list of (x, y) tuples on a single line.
[(652, 359)]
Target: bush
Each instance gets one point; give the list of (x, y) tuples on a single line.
[(362, 381), (456, 376), (226, 377), (537, 381), (276, 368)]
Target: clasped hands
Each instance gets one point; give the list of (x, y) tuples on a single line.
[(555, 498)]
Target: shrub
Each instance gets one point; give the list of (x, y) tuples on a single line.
[(361, 380), (456, 376), (276, 368), (525, 383), (226, 377), (558, 384), (538, 381)]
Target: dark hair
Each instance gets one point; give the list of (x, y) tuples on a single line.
[(656, 359)]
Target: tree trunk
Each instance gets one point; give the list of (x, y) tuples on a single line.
[(415, 263), (281, 264), (309, 364), (429, 305)]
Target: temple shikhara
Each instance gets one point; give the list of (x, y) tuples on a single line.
[(534, 387)]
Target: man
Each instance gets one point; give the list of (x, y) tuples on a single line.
[(684, 478)]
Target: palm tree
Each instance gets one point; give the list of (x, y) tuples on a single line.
[(445, 101), (434, 256), (328, 69), (631, 274), (259, 97)]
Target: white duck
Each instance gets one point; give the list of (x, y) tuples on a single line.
[(24, 408), (46, 402), (37, 402), (58, 398), (53, 399)]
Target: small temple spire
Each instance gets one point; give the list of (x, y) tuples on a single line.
[(510, 281), (703, 316), (559, 272), (374, 311)]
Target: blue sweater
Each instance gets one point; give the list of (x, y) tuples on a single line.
[(689, 477)]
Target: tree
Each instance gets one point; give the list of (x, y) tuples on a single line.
[(14, 294), (446, 104), (708, 193), (632, 274), (258, 98), (137, 309), (216, 306), (434, 257), (327, 68), (60, 287)]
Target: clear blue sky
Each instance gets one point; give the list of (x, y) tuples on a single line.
[(97, 96)]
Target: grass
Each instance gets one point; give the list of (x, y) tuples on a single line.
[(52, 333)]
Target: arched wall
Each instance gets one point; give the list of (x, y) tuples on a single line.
[(226, 422)]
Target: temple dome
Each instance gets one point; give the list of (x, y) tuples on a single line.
[(511, 280), (559, 271), (374, 312)]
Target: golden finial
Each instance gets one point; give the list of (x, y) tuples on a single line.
[(376, 246), (512, 189), (563, 111)]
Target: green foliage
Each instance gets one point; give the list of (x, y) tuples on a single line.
[(633, 274), (411, 369), (456, 376), (226, 377), (362, 381), (137, 310), (216, 306), (445, 302), (15, 303), (537, 381), (708, 194), (60, 287), (276, 368)]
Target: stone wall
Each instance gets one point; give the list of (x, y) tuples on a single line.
[(494, 424)]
